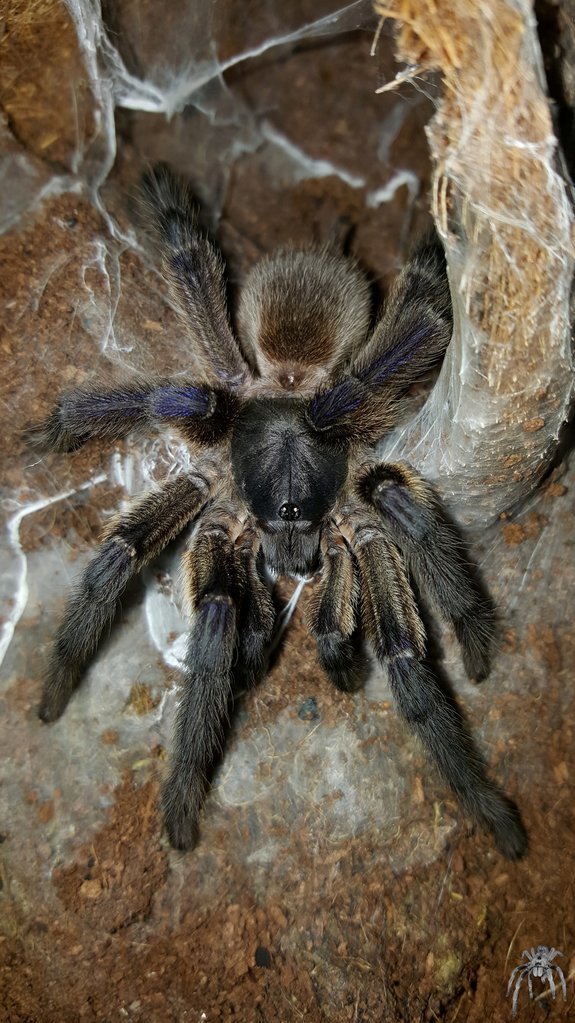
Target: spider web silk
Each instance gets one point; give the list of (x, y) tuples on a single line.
[(504, 212)]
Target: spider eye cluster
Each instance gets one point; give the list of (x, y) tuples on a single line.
[(289, 512)]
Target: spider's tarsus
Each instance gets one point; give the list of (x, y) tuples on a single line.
[(169, 201), (344, 661), (59, 686), (181, 810), (440, 727), (507, 828), (51, 435), (476, 636), (49, 711)]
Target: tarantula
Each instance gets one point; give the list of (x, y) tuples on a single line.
[(282, 419), (539, 964)]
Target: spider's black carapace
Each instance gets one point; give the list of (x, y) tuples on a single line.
[(284, 496)]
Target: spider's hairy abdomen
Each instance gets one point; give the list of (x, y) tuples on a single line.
[(300, 311)]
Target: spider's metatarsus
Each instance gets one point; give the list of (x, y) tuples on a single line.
[(282, 420)]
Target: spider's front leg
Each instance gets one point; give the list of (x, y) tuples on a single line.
[(393, 626), (129, 543), (550, 957), (225, 594), (435, 554)]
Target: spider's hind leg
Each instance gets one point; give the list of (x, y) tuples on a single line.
[(435, 554)]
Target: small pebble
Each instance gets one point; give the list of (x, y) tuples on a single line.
[(308, 710), (263, 957)]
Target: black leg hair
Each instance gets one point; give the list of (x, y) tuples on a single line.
[(332, 616), (412, 334), (257, 615), (213, 579), (416, 323), (129, 543), (233, 625), (203, 414), (436, 555), (395, 629), (195, 271), (83, 414)]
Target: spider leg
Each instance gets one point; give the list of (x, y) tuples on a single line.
[(228, 644), (195, 271), (516, 991), (83, 414), (516, 970), (416, 322), (412, 333), (530, 983), (562, 978), (394, 627), (257, 614), (332, 616), (434, 553), (202, 413), (549, 976), (214, 582), (129, 543)]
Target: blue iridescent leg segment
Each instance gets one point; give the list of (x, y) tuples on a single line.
[(200, 412)]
